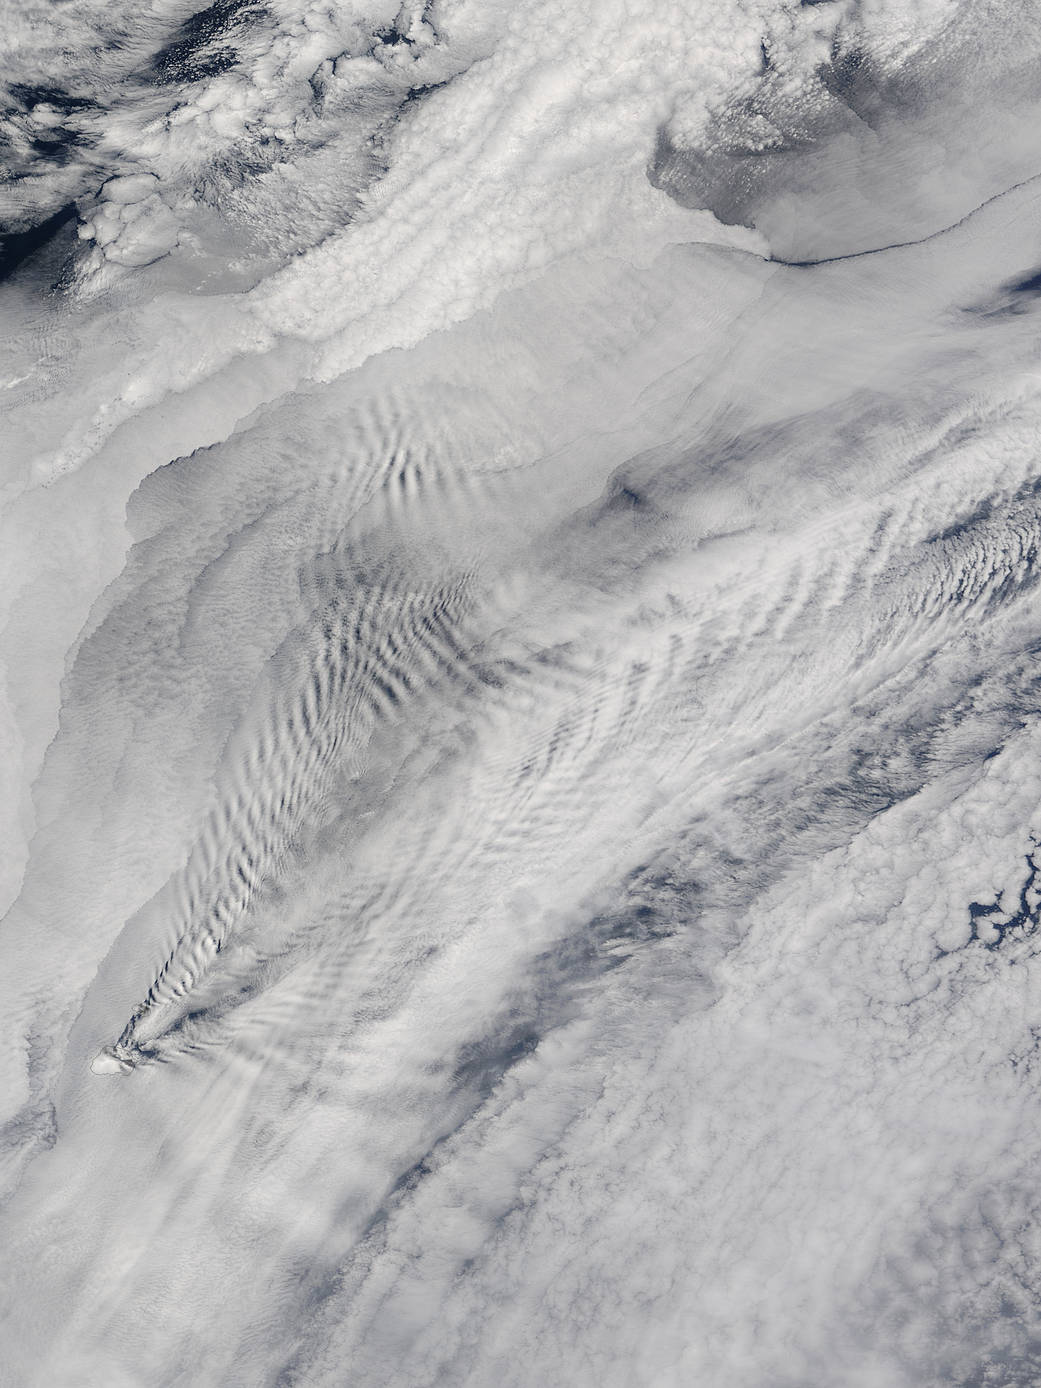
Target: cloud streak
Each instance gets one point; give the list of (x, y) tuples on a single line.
[(521, 697)]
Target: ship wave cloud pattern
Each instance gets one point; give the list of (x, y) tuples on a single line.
[(520, 694)]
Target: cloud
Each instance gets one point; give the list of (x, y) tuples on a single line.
[(521, 704)]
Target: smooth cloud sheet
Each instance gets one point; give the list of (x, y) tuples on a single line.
[(520, 695)]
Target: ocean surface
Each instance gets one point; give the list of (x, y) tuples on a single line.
[(520, 694)]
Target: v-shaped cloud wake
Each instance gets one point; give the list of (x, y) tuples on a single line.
[(520, 641)]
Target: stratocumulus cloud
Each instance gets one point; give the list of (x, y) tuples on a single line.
[(520, 645)]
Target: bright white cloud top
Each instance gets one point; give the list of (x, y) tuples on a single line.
[(520, 642)]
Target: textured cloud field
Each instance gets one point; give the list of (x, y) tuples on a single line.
[(521, 707)]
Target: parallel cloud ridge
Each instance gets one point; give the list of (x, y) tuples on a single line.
[(520, 640)]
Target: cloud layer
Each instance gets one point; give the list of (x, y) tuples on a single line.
[(520, 696)]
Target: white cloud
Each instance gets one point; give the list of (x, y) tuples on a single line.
[(520, 711)]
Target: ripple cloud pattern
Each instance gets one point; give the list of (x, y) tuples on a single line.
[(520, 694)]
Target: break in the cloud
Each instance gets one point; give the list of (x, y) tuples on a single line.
[(520, 708)]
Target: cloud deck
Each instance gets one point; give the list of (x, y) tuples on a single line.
[(520, 645)]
